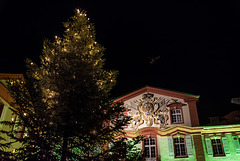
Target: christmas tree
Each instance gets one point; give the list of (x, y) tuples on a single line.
[(63, 109)]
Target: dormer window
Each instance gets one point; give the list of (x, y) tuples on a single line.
[(176, 115)]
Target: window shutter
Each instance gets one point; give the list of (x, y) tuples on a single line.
[(189, 145), (170, 147), (208, 146), (225, 145), (236, 143)]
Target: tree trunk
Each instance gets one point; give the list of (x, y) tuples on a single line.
[(64, 148)]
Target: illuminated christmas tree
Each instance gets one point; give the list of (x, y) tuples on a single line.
[(63, 108)]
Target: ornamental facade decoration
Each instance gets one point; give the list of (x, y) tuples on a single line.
[(151, 110)]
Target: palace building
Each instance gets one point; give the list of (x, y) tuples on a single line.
[(169, 123)]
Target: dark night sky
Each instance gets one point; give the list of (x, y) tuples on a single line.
[(196, 43)]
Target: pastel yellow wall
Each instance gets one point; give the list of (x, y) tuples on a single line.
[(7, 115)]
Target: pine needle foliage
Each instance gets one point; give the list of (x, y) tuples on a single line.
[(63, 109)]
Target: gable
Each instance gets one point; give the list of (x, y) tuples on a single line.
[(153, 107), (165, 92)]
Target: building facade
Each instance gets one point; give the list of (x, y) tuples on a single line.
[(168, 122), (5, 104)]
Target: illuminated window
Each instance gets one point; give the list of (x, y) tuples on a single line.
[(176, 115), (180, 148), (217, 147), (150, 148)]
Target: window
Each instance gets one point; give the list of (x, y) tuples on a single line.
[(150, 148), (217, 147), (176, 115), (180, 148)]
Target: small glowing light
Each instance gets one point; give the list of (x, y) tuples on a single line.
[(12, 119), (64, 49), (85, 14), (88, 19), (94, 132), (55, 37), (67, 29), (95, 42), (25, 114), (26, 135), (48, 59), (31, 63), (13, 150), (111, 80), (80, 14), (78, 10)]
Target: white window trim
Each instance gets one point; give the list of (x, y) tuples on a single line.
[(149, 147), (176, 114), (217, 147), (180, 149)]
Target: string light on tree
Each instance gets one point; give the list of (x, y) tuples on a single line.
[(70, 75)]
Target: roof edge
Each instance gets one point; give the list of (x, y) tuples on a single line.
[(166, 92), (4, 76)]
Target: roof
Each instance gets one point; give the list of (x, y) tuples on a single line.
[(4, 76), (170, 93), (4, 94)]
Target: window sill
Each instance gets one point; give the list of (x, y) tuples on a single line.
[(177, 122), (219, 155), (181, 157)]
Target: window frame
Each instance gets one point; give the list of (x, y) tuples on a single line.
[(175, 115), (149, 146), (216, 145), (180, 147), (171, 115), (178, 106)]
